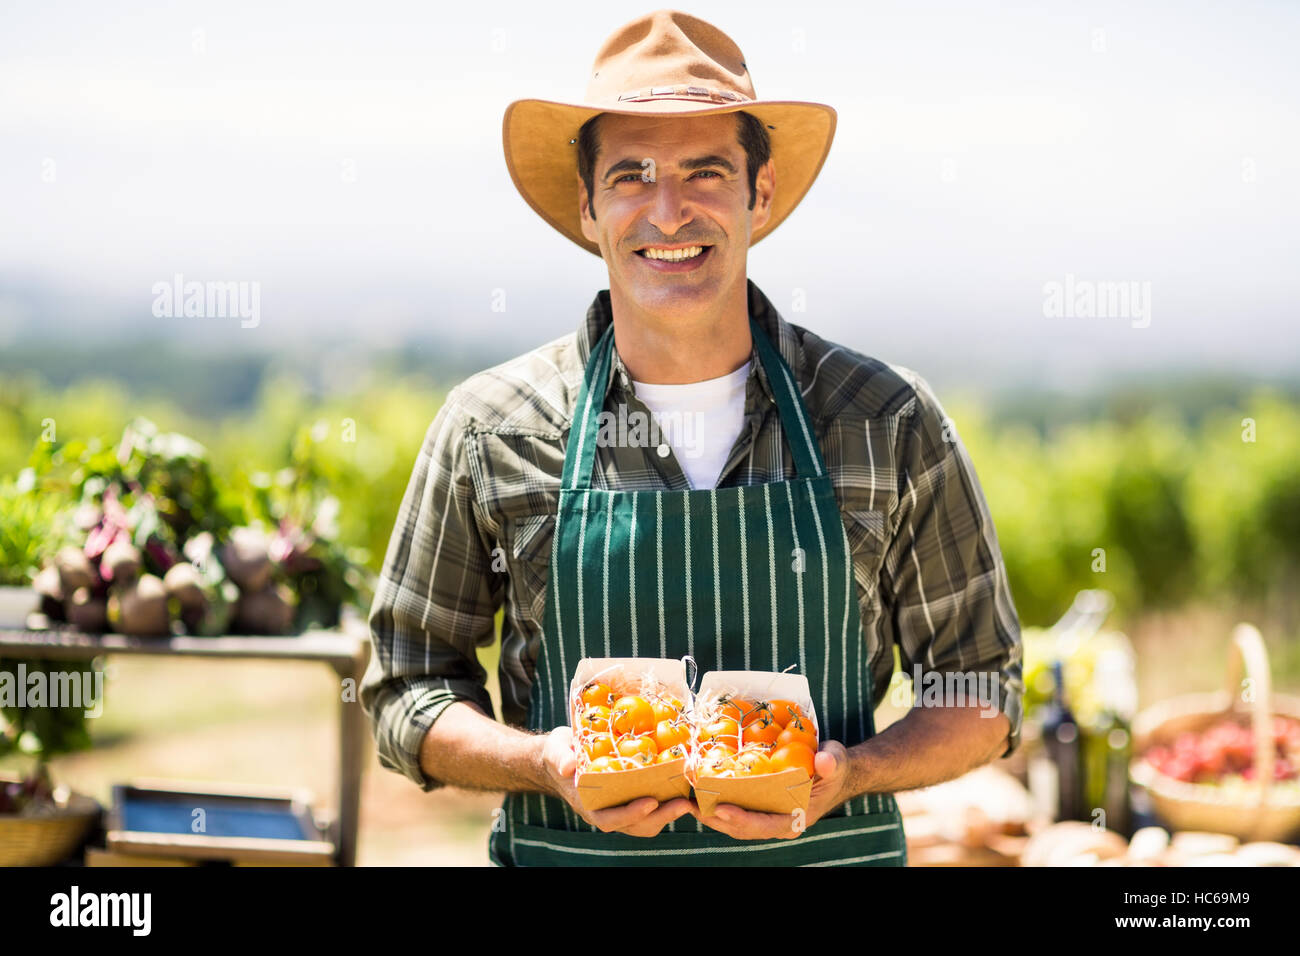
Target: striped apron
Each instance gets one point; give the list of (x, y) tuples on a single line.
[(746, 578)]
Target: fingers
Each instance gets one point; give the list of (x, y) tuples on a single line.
[(748, 824), (644, 817), (629, 814), (660, 818)]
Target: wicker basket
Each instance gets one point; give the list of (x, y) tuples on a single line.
[(46, 840), (1260, 813)]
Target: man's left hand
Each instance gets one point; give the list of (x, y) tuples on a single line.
[(829, 790)]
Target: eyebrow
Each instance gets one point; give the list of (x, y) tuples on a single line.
[(701, 162)]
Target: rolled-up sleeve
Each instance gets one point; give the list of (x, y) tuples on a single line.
[(944, 578), (435, 602)]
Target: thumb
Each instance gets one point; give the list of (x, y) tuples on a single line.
[(828, 762), (560, 746)]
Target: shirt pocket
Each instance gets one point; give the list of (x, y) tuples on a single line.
[(530, 542), (866, 533)]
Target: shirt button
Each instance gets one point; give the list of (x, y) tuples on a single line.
[(663, 450), (622, 377)]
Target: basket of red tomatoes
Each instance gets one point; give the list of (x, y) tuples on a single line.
[(1226, 762)]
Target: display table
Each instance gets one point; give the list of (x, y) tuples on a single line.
[(346, 651)]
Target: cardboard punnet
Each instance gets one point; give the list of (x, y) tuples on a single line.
[(664, 782), (782, 792)]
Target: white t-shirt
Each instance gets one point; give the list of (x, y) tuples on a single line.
[(699, 421)]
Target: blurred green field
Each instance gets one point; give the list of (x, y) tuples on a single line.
[(1180, 505)]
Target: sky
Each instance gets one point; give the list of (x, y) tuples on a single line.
[(347, 159)]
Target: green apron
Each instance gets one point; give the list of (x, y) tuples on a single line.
[(747, 578)]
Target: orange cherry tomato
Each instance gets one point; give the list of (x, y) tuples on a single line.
[(669, 733), (724, 729), (632, 715), (675, 752), (716, 763), (637, 746), (595, 718), (597, 693), (798, 731), (783, 710), (732, 706), (793, 755), (709, 746), (764, 731), (598, 745), (666, 708), (758, 712), (751, 763)]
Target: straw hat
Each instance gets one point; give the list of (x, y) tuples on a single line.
[(664, 62)]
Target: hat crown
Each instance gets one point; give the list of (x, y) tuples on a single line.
[(667, 49)]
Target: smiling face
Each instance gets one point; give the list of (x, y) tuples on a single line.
[(672, 219)]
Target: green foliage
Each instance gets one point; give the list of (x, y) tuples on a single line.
[(30, 529), (1177, 511)]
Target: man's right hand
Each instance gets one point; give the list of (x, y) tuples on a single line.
[(643, 818)]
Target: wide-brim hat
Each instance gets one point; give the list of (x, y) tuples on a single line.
[(666, 62)]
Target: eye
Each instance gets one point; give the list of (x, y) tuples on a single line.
[(628, 177), (708, 172)]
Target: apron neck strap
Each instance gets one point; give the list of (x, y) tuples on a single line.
[(580, 456)]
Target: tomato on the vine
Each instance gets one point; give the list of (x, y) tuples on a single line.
[(597, 692), (670, 733), (607, 764), (724, 729), (793, 755), (783, 710), (716, 762), (797, 731), (718, 744), (764, 731), (595, 718), (753, 763), (631, 746), (632, 715), (666, 708), (676, 752), (732, 706)]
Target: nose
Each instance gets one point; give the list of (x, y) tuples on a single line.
[(669, 209)]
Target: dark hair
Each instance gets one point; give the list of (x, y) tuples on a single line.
[(753, 139)]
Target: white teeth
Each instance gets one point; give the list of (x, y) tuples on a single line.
[(673, 255)]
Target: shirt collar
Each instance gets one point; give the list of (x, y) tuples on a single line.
[(600, 316)]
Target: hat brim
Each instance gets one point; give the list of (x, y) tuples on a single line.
[(540, 139)]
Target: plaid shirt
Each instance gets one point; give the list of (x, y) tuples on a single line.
[(476, 523)]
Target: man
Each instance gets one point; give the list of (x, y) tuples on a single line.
[(822, 514)]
